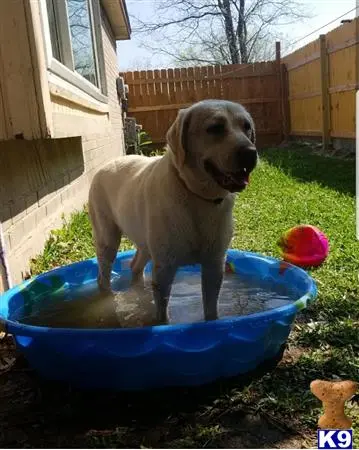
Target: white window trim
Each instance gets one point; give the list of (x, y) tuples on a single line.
[(72, 77), (61, 88)]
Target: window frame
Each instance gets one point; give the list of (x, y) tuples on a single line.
[(65, 69)]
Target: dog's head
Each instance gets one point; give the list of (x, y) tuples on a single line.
[(215, 141)]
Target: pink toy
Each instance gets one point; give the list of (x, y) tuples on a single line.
[(304, 245)]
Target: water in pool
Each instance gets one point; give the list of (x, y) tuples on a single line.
[(134, 306)]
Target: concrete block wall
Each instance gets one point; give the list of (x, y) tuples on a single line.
[(41, 180)]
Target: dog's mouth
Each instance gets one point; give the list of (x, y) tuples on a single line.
[(230, 181)]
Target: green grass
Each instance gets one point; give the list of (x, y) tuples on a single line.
[(73, 242), (288, 188)]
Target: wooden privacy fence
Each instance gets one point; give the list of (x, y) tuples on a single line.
[(322, 81), (156, 96), (310, 92)]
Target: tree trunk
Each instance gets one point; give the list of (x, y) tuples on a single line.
[(242, 33), (225, 8)]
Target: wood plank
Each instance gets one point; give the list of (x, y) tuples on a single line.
[(171, 114), (259, 132), (306, 114), (148, 121), (178, 86), (343, 106), (143, 87), (171, 87), (150, 87), (342, 67), (128, 78), (281, 89), (341, 35), (303, 54), (316, 55), (157, 96), (325, 92), (218, 88), (285, 101), (137, 89), (211, 83), (344, 88), (164, 87), (295, 65), (186, 105), (163, 117), (305, 95), (205, 83), (195, 88), (233, 73), (191, 85), (342, 46), (226, 73)]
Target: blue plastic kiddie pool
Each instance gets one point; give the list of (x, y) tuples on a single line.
[(157, 356)]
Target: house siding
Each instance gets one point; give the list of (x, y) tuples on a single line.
[(41, 180)]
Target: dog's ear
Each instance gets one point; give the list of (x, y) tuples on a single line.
[(177, 137), (253, 131)]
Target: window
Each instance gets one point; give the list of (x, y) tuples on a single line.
[(82, 39), (75, 33)]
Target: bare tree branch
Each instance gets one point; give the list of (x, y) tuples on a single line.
[(217, 31), (153, 27)]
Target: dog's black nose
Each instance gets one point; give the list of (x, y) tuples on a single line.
[(247, 158)]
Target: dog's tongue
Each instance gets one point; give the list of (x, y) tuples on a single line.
[(242, 179)]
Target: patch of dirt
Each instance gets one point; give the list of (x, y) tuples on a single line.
[(291, 355), (35, 413)]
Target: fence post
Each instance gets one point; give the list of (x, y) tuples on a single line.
[(283, 94), (325, 92)]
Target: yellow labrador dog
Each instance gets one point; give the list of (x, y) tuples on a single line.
[(177, 208)]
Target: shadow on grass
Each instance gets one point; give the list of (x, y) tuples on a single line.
[(304, 165), (44, 414), (289, 385)]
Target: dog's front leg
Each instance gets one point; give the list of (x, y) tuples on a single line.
[(212, 277), (162, 279)]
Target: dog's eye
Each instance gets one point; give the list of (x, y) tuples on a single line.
[(246, 125), (217, 128)]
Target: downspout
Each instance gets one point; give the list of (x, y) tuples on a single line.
[(4, 268)]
